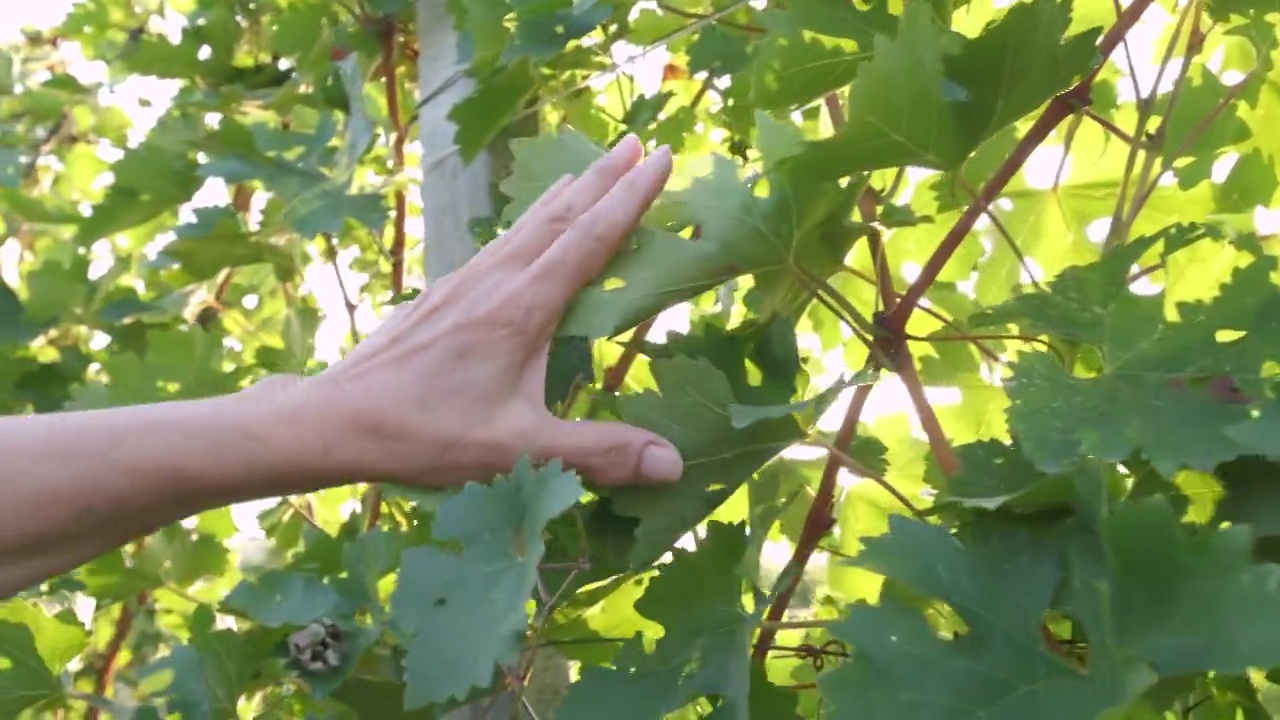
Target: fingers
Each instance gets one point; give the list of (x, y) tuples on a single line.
[(500, 246), (609, 453), (549, 217), (581, 253)]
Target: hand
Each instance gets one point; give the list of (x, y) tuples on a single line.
[(451, 387)]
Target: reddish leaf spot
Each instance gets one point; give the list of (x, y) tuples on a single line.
[(1225, 389)]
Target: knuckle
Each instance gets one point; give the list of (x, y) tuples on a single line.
[(562, 217)]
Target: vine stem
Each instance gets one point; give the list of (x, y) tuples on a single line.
[(939, 445), (1059, 109), (617, 373), (858, 468), (816, 525), (111, 655), (387, 40)]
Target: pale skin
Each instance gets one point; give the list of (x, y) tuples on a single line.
[(449, 389)]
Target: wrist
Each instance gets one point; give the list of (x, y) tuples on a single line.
[(288, 445)]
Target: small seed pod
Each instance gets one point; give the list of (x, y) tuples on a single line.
[(317, 647)]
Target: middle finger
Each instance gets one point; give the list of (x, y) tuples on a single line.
[(539, 227)]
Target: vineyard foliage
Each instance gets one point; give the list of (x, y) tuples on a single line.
[(967, 326)]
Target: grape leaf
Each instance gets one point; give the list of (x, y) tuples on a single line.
[(705, 647), (994, 475), (691, 409), (1252, 499), (203, 679), (491, 106), (1000, 582), (34, 651), (930, 99), (811, 48), (1147, 366), (1184, 601), (464, 613), (718, 51), (15, 326), (283, 597)]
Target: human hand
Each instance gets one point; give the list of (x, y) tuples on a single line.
[(451, 388)]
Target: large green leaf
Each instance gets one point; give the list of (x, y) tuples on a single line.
[(34, 650), (1180, 404), (704, 650), (465, 613), (1000, 581), (928, 98)]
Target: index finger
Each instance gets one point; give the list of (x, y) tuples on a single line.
[(581, 253)]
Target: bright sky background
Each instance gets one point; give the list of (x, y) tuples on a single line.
[(889, 397)]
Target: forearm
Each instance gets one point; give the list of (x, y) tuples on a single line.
[(80, 483)]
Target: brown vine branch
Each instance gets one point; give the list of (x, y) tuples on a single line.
[(895, 347), (387, 40), (398, 139), (120, 633), (241, 202), (834, 111), (1059, 109), (939, 445), (817, 524), (975, 339), (617, 373), (857, 468)]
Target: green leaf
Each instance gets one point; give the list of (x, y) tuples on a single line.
[(1000, 582), (15, 327), (569, 366), (34, 651), (994, 475), (930, 99), (494, 103), (218, 240), (203, 679), (718, 51), (1183, 601), (1179, 403), (359, 129), (691, 409), (811, 48), (741, 416), (705, 648), (464, 613), (282, 597), (377, 699)]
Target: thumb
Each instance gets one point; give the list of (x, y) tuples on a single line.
[(610, 453)]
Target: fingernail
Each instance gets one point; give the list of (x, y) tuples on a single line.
[(661, 463), (662, 151)]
